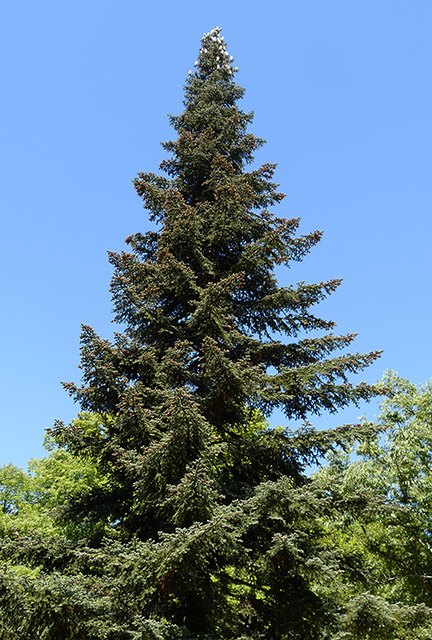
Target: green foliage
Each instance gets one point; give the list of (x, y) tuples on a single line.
[(193, 519), (32, 501), (14, 487), (383, 513)]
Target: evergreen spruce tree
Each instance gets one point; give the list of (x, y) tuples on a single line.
[(208, 525)]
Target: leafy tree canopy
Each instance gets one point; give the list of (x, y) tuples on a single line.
[(389, 485), (383, 500), (32, 501)]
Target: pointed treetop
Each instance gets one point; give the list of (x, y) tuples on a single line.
[(213, 56)]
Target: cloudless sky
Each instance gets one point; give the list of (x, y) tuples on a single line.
[(342, 92)]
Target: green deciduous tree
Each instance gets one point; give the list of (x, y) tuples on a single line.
[(32, 501), (384, 510), (210, 526)]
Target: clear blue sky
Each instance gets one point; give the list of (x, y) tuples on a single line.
[(341, 90)]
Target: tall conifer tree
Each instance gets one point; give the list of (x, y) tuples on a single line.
[(211, 346), (210, 335)]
